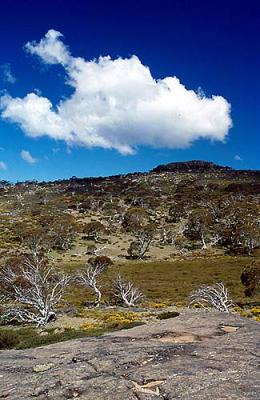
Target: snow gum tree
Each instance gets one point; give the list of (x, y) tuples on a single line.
[(144, 236), (241, 225), (215, 296), (93, 230), (126, 292), (63, 232), (201, 226), (32, 288), (135, 218), (90, 275)]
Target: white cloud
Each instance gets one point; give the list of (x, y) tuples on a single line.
[(116, 104), (6, 73), (26, 156), (3, 165), (237, 158), (50, 48)]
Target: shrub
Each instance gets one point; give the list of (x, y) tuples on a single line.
[(90, 326), (156, 305), (121, 320), (93, 230), (255, 311), (8, 339), (91, 249), (250, 278), (168, 314)]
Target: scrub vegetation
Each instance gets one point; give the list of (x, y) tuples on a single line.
[(81, 257)]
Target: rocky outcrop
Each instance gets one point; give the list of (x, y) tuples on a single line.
[(190, 166), (197, 355)]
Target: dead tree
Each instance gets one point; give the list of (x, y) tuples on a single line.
[(32, 288), (126, 292), (215, 296), (89, 278)]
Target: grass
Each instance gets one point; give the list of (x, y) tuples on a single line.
[(174, 281), (171, 282), (163, 283), (28, 337)]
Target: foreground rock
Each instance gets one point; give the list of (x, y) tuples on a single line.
[(197, 355)]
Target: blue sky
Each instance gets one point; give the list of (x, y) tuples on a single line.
[(212, 45)]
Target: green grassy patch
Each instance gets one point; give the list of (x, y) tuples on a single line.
[(28, 337), (171, 281), (174, 281), (104, 321), (163, 283)]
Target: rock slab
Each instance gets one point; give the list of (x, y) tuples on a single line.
[(197, 355)]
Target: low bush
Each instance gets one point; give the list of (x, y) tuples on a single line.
[(168, 314), (255, 311), (8, 339), (120, 320), (24, 338), (156, 305)]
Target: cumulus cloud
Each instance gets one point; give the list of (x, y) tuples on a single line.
[(50, 48), (26, 156), (3, 165), (6, 73), (116, 104), (237, 158)]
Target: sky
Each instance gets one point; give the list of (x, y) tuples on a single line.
[(90, 88)]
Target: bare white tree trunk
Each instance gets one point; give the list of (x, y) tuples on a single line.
[(215, 296), (98, 295), (126, 292), (33, 290), (88, 278), (204, 246)]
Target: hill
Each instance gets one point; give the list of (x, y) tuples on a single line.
[(190, 166), (166, 233)]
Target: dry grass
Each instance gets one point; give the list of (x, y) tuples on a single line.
[(171, 282)]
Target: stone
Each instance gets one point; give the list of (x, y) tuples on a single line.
[(43, 367), (201, 358)]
